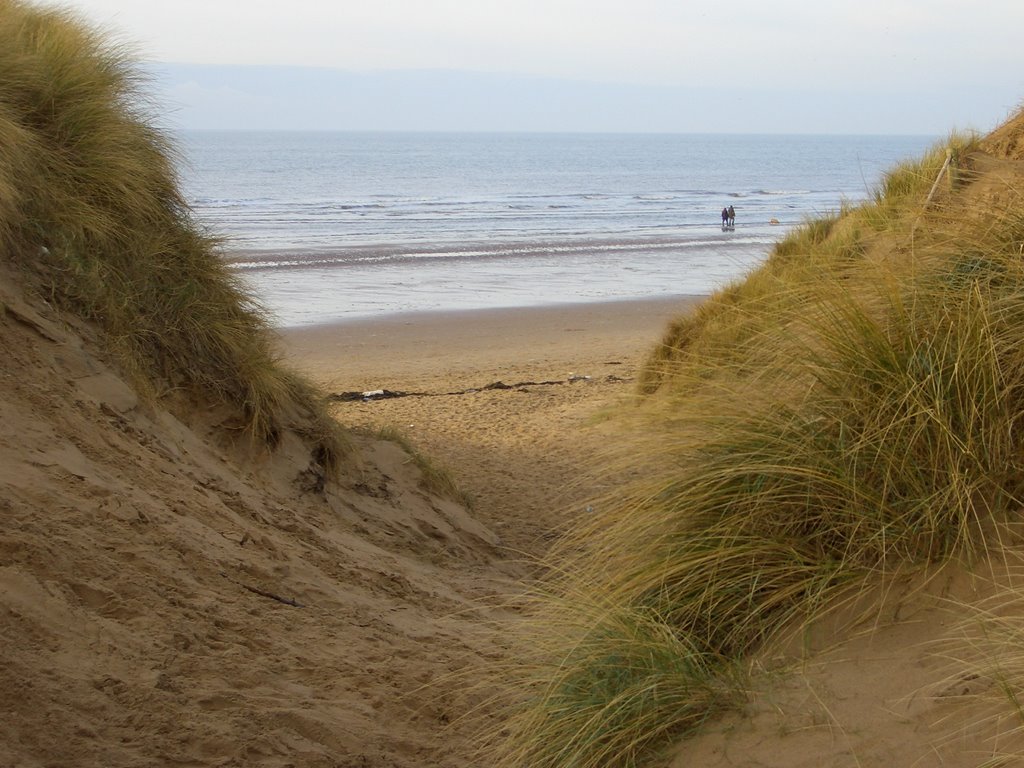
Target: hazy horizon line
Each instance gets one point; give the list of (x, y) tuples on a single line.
[(271, 97)]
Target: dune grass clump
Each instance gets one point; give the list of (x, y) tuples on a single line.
[(910, 182), (854, 408), (627, 682), (90, 206), (832, 247)]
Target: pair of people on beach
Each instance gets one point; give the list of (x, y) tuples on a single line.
[(728, 217)]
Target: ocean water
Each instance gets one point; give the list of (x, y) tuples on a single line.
[(329, 226)]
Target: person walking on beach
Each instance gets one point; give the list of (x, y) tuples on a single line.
[(725, 218), (732, 217)]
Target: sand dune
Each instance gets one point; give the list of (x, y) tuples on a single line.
[(169, 598)]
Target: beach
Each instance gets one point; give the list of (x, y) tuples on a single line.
[(326, 447), (335, 226), (524, 454)]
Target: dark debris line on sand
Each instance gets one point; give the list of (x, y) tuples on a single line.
[(388, 394)]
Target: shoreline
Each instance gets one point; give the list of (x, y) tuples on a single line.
[(566, 306), (448, 347)]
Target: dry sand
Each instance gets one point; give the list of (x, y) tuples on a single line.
[(525, 454), (169, 598)]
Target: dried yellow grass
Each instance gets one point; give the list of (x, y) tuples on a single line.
[(91, 211), (853, 407)]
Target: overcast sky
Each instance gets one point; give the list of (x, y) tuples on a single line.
[(836, 66)]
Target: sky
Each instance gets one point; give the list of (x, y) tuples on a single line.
[(788, 66)]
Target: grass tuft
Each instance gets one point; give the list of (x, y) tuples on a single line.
[(90, 207), (616, 684)]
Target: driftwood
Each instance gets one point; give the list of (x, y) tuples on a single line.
[(271, 595), (264, 593)]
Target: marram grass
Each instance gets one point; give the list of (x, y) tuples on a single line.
[(90, 209), (853, 408), (835, 247), (619, 685)]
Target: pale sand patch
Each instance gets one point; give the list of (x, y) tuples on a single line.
[(524, 454)]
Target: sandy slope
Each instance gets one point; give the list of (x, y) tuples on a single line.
[(899, 677), (165, 600)]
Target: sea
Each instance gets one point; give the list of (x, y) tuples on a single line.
[(330, 226)]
